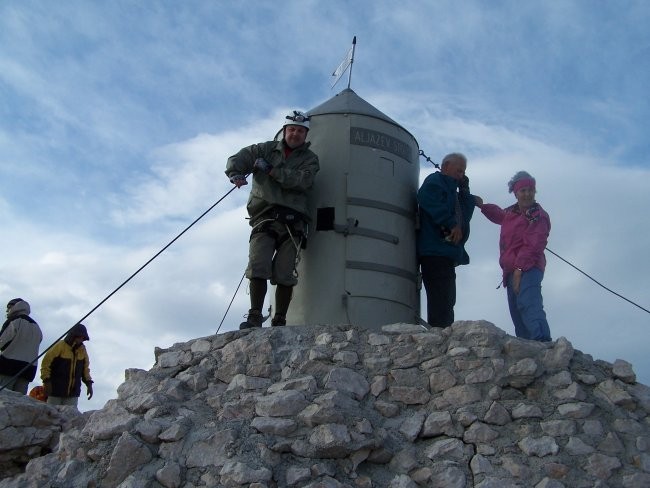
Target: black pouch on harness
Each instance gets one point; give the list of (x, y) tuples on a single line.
[(286, 215)]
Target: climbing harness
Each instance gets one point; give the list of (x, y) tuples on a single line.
[(288, 217), (298, 249)]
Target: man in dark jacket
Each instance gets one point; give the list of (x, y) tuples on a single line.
[(283, 176), (20, 337), (65, 366), (446, 207)]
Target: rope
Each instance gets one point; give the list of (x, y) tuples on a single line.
[(298, 247), (597, 282), (231, 300), (2, 387)]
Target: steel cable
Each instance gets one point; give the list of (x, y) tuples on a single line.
[(2, 387)]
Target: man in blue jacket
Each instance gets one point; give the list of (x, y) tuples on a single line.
[(446, 207)]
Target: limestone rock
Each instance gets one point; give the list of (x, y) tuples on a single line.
[(340, 406)]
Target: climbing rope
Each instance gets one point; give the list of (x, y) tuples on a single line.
[(2, 387), (597, 282), (230, 304)]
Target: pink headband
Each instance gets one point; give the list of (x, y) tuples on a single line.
[(525, 183)]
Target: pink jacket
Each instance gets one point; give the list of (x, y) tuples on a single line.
[(523, 236)]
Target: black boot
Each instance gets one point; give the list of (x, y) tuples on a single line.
[(253, 319), (258, 292), (278, 320)]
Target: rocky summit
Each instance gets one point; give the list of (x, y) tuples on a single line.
[(341, 406)]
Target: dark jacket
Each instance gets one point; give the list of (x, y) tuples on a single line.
[(292, 180), (65, 366), (437, 209)]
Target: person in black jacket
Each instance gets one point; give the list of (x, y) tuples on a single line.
[(20, 338)]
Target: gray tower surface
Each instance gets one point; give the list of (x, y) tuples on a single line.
[(360, 265)]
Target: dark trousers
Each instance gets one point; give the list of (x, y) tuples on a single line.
[(439, 278)]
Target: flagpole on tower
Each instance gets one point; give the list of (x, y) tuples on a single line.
[(345, 64), (354, 45)]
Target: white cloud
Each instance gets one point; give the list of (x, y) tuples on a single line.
[(118, 128)]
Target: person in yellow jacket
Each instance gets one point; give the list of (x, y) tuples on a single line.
[(65, 366)]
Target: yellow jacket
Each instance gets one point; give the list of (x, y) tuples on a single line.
[(65, 367)]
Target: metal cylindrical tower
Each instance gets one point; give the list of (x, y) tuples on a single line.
[(360, 265)]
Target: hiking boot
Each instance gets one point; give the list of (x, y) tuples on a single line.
[(253, 319), (279, 321)]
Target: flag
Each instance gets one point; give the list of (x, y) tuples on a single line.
[(347, 61)]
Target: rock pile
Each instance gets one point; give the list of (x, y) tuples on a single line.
[(340, 406)]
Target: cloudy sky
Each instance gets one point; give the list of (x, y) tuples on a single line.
[(116, 119)]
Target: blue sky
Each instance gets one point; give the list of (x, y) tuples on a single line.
[(116, 119)]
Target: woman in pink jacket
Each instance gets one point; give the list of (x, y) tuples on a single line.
[(524, 233)]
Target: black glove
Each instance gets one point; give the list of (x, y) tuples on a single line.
[(262, 165), (463, 184)]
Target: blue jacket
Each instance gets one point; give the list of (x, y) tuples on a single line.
[(437, 208)]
